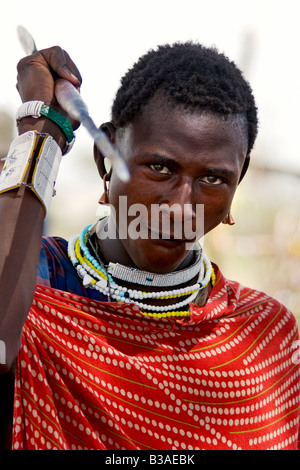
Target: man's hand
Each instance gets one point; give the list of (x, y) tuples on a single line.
[(36, 81)]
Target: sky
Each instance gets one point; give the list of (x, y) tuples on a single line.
[(105, 38)]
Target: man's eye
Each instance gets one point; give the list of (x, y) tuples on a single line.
[(160, 168), (212, 179)]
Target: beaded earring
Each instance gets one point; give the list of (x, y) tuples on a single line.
[(229, 220), (104, 198)]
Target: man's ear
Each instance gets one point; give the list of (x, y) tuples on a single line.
[(245, 168), (109, 129)]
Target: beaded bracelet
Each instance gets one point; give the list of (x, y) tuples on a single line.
[(40, 149), (37, 109)]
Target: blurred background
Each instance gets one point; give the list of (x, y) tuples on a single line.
[(262, 250)]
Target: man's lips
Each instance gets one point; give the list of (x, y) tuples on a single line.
[(167, 237)]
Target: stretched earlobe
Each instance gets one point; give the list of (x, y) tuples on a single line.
[(104, 199), (110, 131)]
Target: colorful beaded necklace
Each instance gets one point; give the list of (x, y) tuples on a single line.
[(92, 270)]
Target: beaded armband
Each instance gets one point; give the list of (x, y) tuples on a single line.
[(44, 153)]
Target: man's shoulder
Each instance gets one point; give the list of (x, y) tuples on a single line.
[(250, 301), (54, 244), (245, 301), (53, 259)]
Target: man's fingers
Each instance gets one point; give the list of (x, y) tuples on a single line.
[(60, 62), (37, 74)]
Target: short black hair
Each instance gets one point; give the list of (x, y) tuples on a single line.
[(190, 74)]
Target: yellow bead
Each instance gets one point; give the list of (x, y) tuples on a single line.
[(166, 314)]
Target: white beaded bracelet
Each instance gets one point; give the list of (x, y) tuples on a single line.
[(36, 109), (30, 108), (21, 152)]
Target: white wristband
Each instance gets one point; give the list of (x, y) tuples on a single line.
[(36, 109), (47, 162), (30, 108), (46, 170), (17, 161)]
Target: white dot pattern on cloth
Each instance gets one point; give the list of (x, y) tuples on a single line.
[(94, 375)]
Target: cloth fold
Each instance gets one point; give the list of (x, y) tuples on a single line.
[(100, 375)]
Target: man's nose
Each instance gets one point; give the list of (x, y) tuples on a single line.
[(180, 202)]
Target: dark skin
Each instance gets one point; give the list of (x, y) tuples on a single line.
[(21, 214), (21, 222), (173, 157)]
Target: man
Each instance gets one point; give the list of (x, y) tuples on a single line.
[(134, 340)]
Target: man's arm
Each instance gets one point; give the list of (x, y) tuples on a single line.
[(21, 212)]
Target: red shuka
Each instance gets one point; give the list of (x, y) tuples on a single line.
[(94, 375)]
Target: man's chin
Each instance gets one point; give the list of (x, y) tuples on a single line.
[(160, 256)]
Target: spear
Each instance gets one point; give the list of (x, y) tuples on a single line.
[(72, 103)]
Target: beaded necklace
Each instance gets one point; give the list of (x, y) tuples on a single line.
[(96, 275)]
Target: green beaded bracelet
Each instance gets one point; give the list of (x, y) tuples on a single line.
[(60, 120)]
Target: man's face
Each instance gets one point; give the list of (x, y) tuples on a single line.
[(181, 158)]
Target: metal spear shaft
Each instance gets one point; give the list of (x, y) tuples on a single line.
[(71, 101)]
